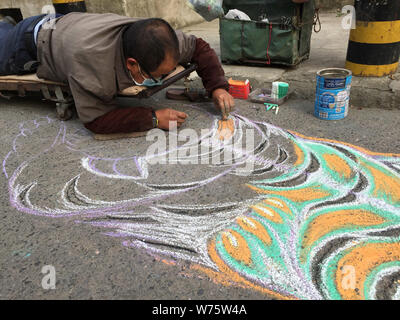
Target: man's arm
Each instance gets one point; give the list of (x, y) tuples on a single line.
[(209, 68), (123, 120), (139, 119), (196, 50), (213, 77), (101, 114)]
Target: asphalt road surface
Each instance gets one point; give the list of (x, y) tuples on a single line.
[(89, 261)]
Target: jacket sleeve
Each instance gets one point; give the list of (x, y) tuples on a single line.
[(196, 50), (123, 120), (110, 118), (209, 68)]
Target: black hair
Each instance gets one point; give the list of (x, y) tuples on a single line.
[(148, 41)]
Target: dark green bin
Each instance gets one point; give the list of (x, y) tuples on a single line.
[(284, 40)]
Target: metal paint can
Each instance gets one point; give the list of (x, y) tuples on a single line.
[(333, 93)]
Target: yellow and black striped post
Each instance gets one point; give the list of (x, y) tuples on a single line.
[(374, 46), (67, 6)]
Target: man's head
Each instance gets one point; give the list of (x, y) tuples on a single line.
[(151, 49)]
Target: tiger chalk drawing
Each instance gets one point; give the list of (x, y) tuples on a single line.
[(314, 219)]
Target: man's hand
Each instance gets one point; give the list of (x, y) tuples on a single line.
[(164, 117), (223, 101)]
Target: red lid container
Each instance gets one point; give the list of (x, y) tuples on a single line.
[(239, 89)]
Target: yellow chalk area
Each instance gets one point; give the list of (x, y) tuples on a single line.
[(279, 204), (168, 262), (299, 154), (236, 246), (384, 184), (226, 129), (363, 259), (366, 151), (335, 220), (297, 195), (254, 227), (335, 163), (226, 276), (366, 70), (377, 32), (267, 213)]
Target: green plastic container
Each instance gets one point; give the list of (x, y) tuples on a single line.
[(284, 40)]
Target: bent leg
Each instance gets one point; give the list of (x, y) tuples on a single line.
[(14, 53)]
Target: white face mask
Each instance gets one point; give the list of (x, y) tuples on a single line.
[(146, 82)]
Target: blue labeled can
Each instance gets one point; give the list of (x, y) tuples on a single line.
[(333, 93)]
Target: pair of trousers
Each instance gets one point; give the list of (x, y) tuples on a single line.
[(18, 52)]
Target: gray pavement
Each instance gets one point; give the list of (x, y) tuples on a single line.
[(89, 264), (92, 265)]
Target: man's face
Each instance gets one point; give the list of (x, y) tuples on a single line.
[(140, 75)]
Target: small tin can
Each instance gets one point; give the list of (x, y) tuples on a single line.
[(333, 93)]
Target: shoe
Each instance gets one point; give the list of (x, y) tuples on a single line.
[(8, 19)]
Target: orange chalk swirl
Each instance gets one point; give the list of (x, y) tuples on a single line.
[(236, 246)]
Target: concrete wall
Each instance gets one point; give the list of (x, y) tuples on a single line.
[(176, 12), (27, 7)]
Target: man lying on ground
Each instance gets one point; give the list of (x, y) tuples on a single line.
[(99, 55)]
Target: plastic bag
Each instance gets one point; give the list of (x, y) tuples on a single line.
[(237, 14), (208, 9)]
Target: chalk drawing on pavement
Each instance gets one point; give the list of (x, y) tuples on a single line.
[(315, 219)]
